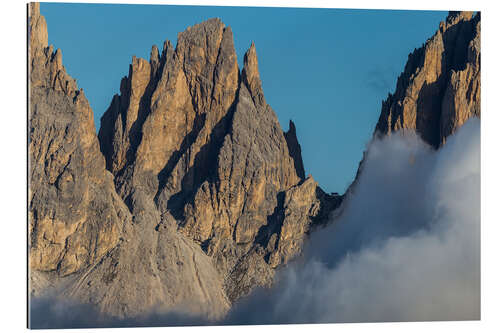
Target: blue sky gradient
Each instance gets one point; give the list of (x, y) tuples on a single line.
[(326, 69)]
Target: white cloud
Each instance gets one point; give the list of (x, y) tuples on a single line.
[(406, 247)]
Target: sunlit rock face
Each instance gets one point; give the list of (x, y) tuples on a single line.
[(198, 137), (83, 240), (188, 198), (75, 215), (440, 87), (192, 195)]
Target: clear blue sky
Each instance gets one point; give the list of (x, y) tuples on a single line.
[(326, 69)]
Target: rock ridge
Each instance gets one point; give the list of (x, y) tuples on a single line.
[(84, 242), (192, 195), (189, 197), (439, 89), (224, 159), (68, 182), (440, 86)]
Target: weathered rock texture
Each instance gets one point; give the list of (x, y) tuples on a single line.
[(440, 86), (199, 135), (83, 240), (75, 215), (153, 268), (190, 196)]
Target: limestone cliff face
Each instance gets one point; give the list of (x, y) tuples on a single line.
[(192, 195), (189, 197), (440, 87), (83, 239), (75, 215), (198, 138), (252, 166), (153, 268), (170, 113)]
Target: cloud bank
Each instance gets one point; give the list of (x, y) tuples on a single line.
[(406, 247), (52, 312)]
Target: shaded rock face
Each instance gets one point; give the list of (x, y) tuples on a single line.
[(198, 138), (440, 86), (295, 150), (189, 197)]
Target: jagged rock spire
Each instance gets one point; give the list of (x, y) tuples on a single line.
[(210, 151), (83, 240), (251, 77), (439, 88), (37, 28), (295, 150)]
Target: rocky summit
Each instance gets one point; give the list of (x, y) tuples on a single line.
[(440, 87), (192, 195)]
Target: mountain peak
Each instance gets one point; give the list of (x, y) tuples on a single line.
[(439, 88), (38, 37), (295, 150), (251, 77), (455, 16), (204, 193), (201, 142)]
